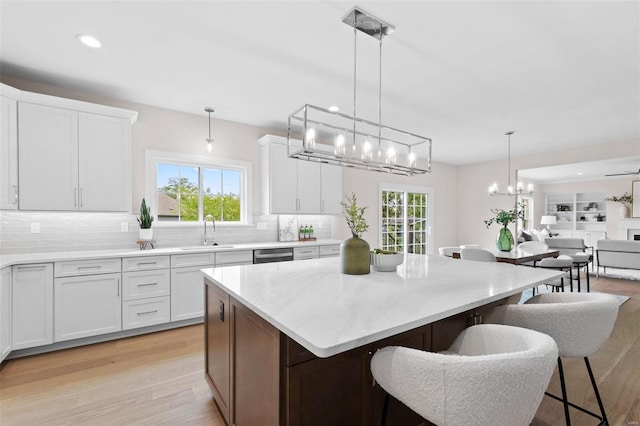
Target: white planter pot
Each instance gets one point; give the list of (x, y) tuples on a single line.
[(624, 211), (146, 234)]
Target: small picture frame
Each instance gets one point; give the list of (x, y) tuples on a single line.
[(635, 193)]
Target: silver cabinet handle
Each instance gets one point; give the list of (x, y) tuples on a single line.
[(81, 197), (146, 263), (147, 312), (90, 267), (147, 284), (75, 197), (15, 194), (118, 286), (31, 266)]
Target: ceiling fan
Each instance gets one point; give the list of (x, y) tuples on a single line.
[(625, 173)]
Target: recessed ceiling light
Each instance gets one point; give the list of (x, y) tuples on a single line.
[(580, 173), (334, 108), (88, 40)]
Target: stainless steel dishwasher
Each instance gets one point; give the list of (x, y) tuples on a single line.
[(273, 255)]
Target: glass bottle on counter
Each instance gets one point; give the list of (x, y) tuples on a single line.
[(311, 231)]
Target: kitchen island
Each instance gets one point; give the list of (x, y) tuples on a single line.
[(290, 343)]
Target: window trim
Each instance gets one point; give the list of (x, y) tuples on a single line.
[(400, 187), (153, 157)]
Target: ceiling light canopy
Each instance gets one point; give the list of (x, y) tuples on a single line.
[(328, 136), (209, 140), (493, 189), (89, 40)]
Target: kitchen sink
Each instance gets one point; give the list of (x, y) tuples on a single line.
[(203, 247)]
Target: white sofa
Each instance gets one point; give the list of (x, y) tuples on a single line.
[(623, 254)]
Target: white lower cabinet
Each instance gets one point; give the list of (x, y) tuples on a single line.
[(32, 305), (146, 291), (330, 251), (87, 306), (301, 253), (187, 293), (144, 312), (187, 284), (5, 313)]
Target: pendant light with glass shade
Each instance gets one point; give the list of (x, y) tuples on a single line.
[(209, 140), (520, 189)]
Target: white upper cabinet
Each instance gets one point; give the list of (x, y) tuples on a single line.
[(291, 186), (73, 155), (104, 167), (8, 149), (48, 153)]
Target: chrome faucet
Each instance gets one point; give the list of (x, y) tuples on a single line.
[(208, 239)]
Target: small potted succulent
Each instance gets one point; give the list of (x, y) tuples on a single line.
[(145, 220), (385, 260), (354, 252)]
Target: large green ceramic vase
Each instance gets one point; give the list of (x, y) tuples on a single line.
[(354, 256), (504, 242)]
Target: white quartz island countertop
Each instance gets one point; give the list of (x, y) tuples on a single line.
[(328, 312)]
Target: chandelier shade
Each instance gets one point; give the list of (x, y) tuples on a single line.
[(328, 136)]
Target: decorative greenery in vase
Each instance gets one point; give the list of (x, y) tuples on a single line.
[(354, 215), (625, 199), (505, 241), (145, 218), (354, 252)]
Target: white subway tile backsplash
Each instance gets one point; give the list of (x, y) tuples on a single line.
[(79, 231)]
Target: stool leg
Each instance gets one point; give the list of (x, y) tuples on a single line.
[(385, 408), (595, 390), (588, 284), (565, 402), (571, 280)]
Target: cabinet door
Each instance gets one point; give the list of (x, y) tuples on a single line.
[(48, 157), (104, 168), (87, 306), (308, 187), (8, 154), (187, 293), (5, 313), (330, 189), (217, 348), (282, 177), (32, 307)]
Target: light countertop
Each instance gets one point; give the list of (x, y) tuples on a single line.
[(328, 312), (25, 258)]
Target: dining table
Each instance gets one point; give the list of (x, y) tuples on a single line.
[(517, 256)]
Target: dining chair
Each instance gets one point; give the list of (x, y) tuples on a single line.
[(579, 323), (533, 247), (575, 248), (560, 263), (478, 381), (448, 251), (477, 254)]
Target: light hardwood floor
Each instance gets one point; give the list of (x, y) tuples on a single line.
[(157, 379)]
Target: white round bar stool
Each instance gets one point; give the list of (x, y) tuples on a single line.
[(579, 323), (560, 263), (478, 381)]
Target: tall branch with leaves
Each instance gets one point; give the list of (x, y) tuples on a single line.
[(354, 215)]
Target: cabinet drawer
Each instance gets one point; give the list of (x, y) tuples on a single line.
[(86, 267), (144, 312), (144, 284), (142, 263), (326, 251), (305, 253), (227, 257), (199, 259)]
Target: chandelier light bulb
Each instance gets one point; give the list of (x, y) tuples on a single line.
[(209, 145), (339, 144), (412, 159)]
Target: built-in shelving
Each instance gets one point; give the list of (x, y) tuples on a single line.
[(578, 214)]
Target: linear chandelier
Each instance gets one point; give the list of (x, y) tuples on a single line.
[(493, 189), (320, 135)]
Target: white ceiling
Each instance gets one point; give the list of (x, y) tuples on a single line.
[(561, 74)]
